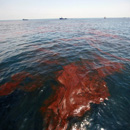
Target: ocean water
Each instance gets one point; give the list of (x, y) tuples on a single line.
[(33, 51)]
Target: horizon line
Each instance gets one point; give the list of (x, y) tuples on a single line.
[(63, 17)]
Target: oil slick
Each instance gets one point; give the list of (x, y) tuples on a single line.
[(80, 84), (22, 80)]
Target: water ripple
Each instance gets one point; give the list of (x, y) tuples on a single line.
[(40, 48)]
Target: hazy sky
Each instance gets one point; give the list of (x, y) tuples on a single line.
[(39, 9)]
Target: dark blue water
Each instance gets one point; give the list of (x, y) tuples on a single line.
[(29, 46)]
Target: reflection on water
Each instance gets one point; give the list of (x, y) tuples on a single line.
[(58, 74)]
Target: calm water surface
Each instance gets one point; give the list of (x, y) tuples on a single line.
[(43, 47)]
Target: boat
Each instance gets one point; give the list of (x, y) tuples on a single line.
[(62, 18), (25, 19)]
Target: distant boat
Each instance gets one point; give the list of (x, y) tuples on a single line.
[(25, 19), (104, 17), (62, 18)]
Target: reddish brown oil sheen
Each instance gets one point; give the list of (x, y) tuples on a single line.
[(17, 82), (120, 58), (50, 61), (80, 85), (43, 49), (97, 35)]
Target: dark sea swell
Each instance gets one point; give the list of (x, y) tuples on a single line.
[(40, 48)]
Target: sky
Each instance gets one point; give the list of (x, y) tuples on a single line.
[(44, 9)]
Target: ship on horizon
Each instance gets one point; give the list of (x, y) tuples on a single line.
[(25, 19), (62, 18)]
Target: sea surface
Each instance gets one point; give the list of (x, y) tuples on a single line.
[(33, 51)]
